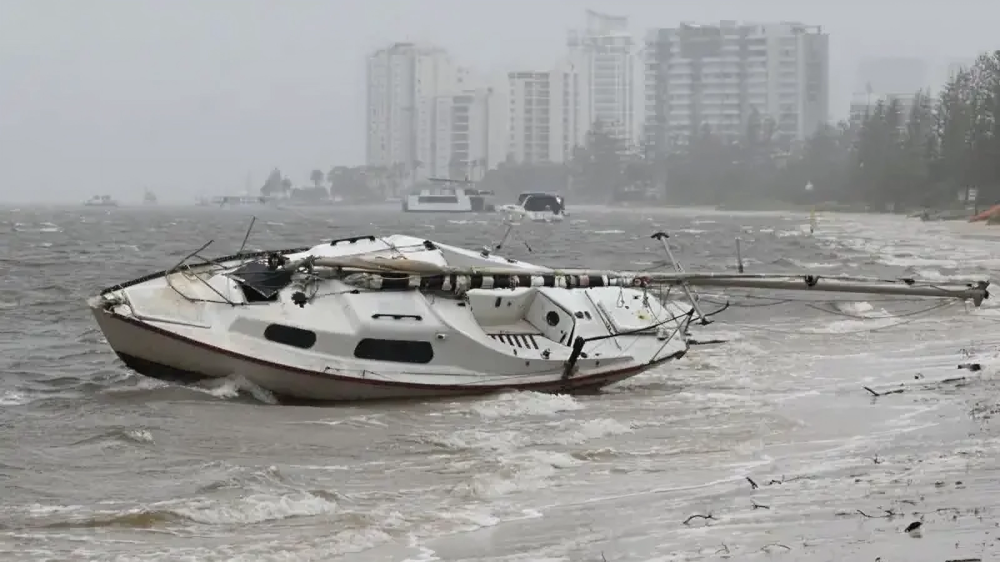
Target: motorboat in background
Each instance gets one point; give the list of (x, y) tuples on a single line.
[(457, 196), (239, 200), (101, 201), (538, 207)]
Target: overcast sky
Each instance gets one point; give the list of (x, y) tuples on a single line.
[(188, 97)]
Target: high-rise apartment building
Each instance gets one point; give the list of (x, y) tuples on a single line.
[(430, 116), (544, 110), (465, 135), (718, 75), (603, 57), (404, 81)]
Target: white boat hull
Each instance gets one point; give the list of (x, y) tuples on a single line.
[(541, 216), (519, 213), (166, 356), (457, 203), (176, 327), (413, 205)]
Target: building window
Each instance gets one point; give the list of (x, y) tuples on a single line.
[(399, 351)]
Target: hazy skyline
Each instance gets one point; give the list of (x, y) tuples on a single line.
[(187, 97)]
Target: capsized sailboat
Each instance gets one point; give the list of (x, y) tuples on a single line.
[(398, 316)]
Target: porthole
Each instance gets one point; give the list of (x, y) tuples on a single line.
[(552, 318)]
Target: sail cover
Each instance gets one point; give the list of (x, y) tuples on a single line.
[(266, 282)]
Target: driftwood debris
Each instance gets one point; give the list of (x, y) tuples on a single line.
[(699, 516), (706, 342), (888, 514), (886, 393)]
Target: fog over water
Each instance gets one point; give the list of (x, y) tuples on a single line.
[(188, 97)]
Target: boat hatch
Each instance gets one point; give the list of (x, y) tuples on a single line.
[(260, 283)]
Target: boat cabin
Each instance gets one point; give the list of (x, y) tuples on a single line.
[(538, 202), (449, 199)]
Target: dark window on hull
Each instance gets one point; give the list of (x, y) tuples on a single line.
[(287, 335), (399, 351)]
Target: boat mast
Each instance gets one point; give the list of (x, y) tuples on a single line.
[(418, 273), (974, 291), (387, 273), (662, 237)]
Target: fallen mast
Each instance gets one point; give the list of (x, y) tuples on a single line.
[(976, 291), (393, 274)]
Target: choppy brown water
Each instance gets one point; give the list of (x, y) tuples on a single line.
[(100, 464)]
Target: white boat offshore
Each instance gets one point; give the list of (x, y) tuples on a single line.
[(449, 196), (537, 207), (403, 317)]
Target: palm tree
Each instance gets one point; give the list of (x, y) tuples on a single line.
[(317, 178), (273, 183)]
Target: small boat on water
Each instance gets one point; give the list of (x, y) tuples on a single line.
[(149, 198), (456, 196), (239, 200), (101, 201), (398, 316), (538, 207)]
